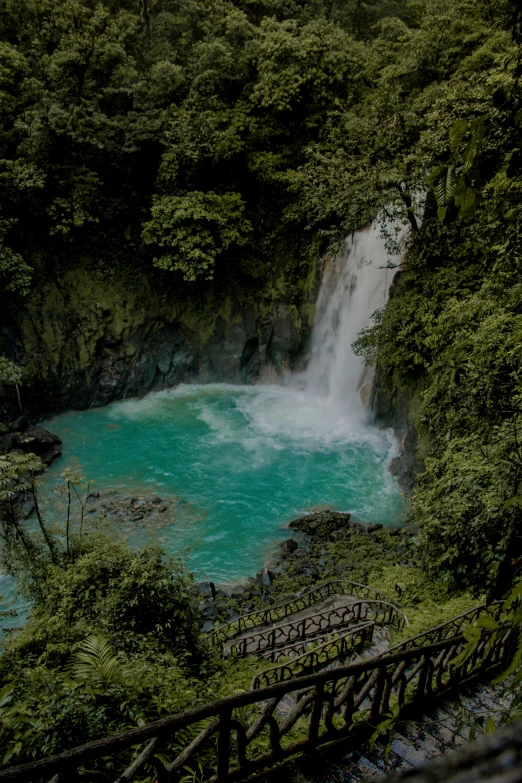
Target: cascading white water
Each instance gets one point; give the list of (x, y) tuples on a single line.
[(354, 285)]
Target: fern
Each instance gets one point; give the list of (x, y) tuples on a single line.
[(96, 659)]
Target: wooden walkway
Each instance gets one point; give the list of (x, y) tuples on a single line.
[(321, 712), (444, 727)]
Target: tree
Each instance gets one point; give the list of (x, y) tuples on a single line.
[(196, 229), (11, 375), (112, 641)]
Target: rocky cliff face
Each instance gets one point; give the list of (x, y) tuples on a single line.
[(397, 412), (85, 341)]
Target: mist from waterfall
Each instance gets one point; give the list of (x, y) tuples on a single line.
[(354, 285)]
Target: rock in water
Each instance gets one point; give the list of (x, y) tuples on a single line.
[(39, 441)]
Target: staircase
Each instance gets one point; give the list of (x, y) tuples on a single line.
[(443, 727), (297, 607), (337, 706), (352, 619), (326, 624)]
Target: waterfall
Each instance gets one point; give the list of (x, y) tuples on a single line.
[(353, 286)]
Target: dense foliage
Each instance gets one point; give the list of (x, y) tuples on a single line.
[(194, 138), (184, 134), (450, 338), (113, 635)]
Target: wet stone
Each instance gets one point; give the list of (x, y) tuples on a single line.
[(208, 609), (206, 589), (142, 509)]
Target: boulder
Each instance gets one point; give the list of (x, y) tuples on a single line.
[(18, 425), (289, 546), (6, 442), (36, 440), (264, 578), (321, 523), (208, 610), (49, 456), (207, 590)]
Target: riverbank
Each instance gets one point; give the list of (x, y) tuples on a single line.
[(330, 545)]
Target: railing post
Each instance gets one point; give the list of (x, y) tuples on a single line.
[(224, 746), (376, 710), (422, 679), (315, 717)]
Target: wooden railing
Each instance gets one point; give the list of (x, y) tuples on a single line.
[(336, 649), (317, 624), (241, 734), (449, 628), (281, 611), (341, 646)]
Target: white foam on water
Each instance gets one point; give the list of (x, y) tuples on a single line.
[(320, 408), (294, 417)]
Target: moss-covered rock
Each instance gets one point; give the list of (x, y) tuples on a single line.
[(92, 338)]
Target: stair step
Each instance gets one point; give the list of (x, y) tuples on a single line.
[(431, 745), (407, 751)]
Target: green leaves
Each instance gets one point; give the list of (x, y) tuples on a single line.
[(15, 273), (465, 199), (310, 64), (450, 182), (96, 659), (10, 373), (445, 185), (196, 229), (456, 135), (448, 189)]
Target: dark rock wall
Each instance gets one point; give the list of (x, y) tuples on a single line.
[(396, 410), (86, 341)]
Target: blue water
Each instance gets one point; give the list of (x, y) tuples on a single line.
[(238, 462)]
